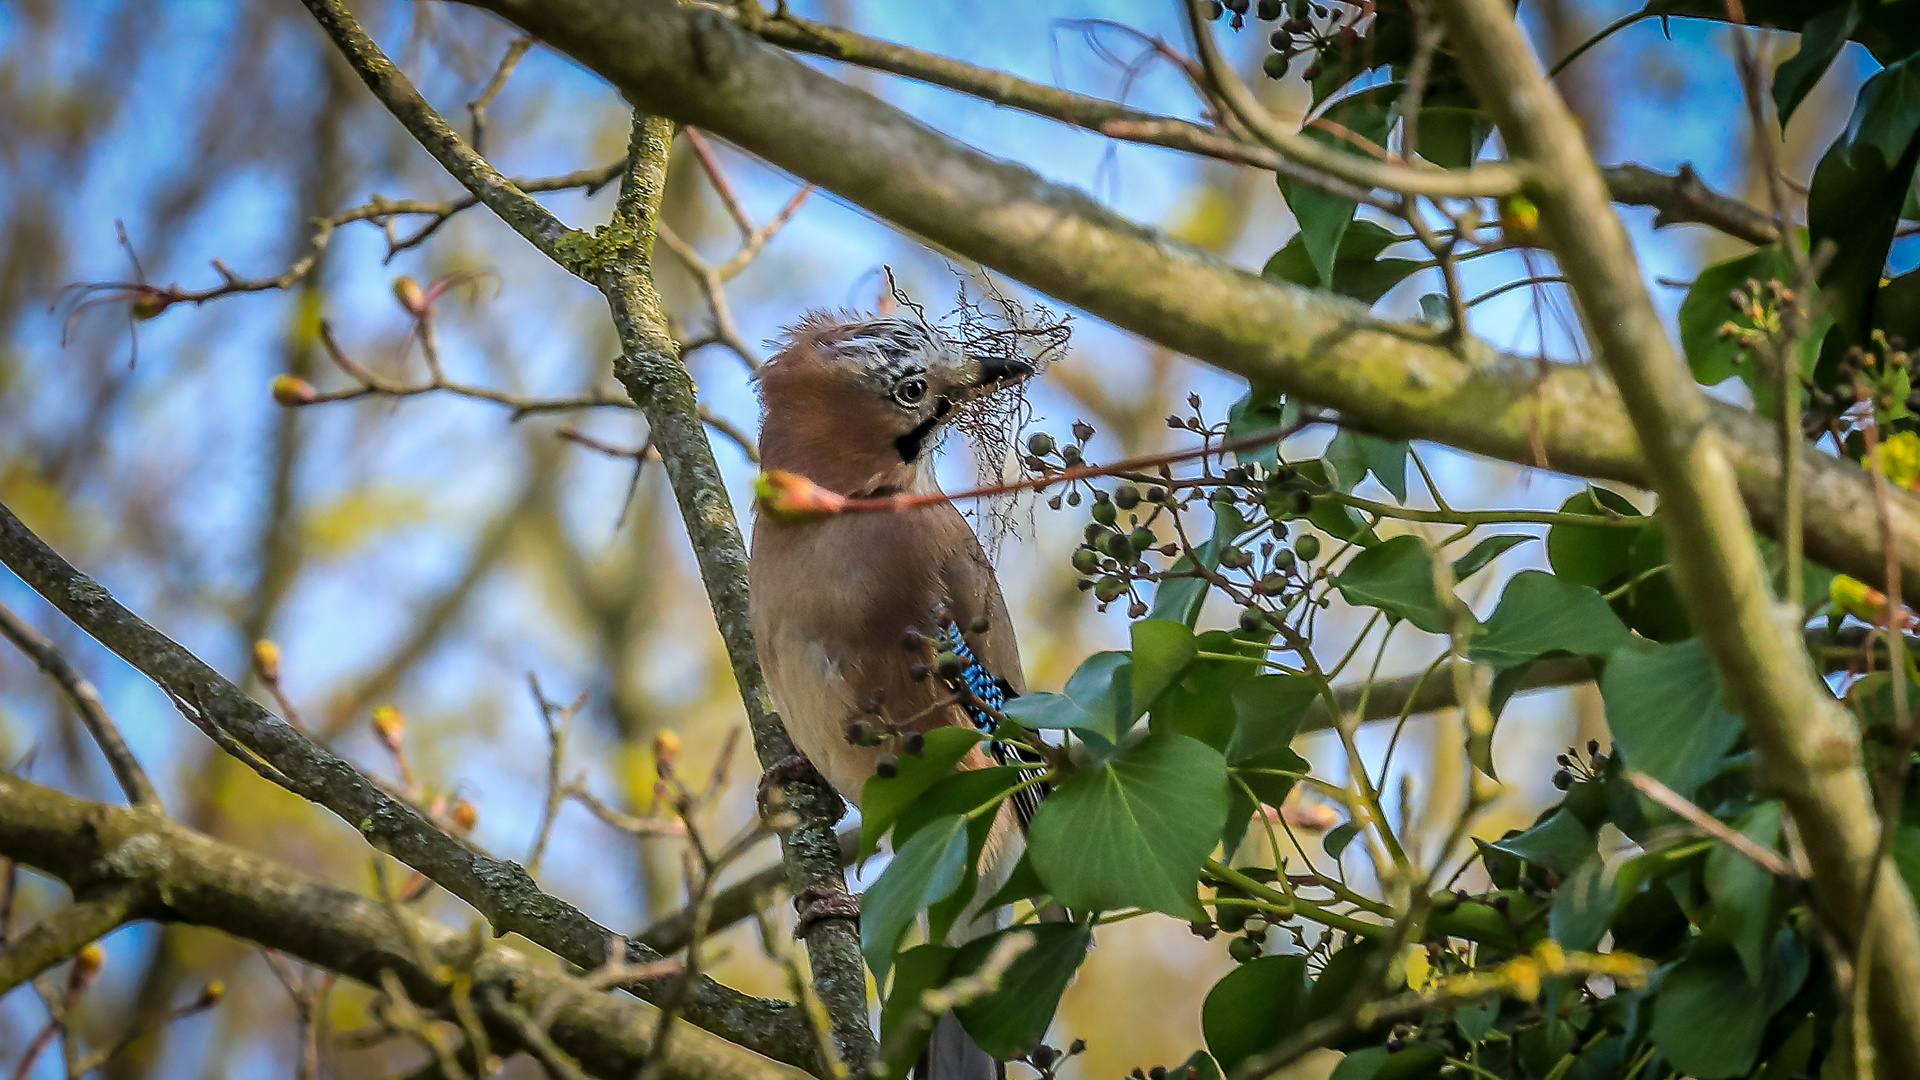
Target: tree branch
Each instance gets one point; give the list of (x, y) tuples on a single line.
[(697, 66), (617, 259), (1679, 198), (500, 890), (72, 928), (195, 879), (86, 701), (1808, 748)]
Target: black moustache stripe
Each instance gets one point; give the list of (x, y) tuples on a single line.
[(913, 442)]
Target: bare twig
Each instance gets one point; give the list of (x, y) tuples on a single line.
[(86, 701), (477, 108)]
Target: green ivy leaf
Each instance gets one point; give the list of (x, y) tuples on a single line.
[(1259, 410), (1558, 842), (1133, 831), (1483, 553), (1324, 217), (915, 971), (926, 870), (1179, 598), (1743, 893), (1254, 1008), (882, 800), (1859, 187), (1353, 455), (1707, 1020), (1333, 518), (1358, 270), (1201, 704), (1162, 649), (1596, 555), (1541, 613), (1395, 576), (1820, 41), (1338, 837), (1013, 1019), (1582, 906), (1666, 713)]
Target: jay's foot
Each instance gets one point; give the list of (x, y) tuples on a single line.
[(791, 767), (817, 903)]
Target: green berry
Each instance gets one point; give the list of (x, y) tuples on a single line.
[(1105, 513), (1244, 950), (1126, 496), (1307, 547), (1108, 589), (1141, 538), (1085, 560), (1275, 65), (1040, 444), (1253, 621)]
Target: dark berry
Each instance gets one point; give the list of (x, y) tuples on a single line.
[(887, 767), (914, 744), (1126, 496), (913, 640)]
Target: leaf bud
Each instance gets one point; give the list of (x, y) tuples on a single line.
[(390, 724), (266, 659), (411, 296), (149, 302), (464, 815), (666, 749), (293, 391)]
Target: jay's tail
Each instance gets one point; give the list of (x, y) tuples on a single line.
[(951, 1053)]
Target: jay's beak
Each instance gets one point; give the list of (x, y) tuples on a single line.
[(1000, 370)]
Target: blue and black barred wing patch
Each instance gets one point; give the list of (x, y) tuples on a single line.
[(995, 693)]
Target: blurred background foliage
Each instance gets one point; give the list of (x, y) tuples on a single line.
[(429, 553)]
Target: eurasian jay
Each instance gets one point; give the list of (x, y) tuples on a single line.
[(848, 608)]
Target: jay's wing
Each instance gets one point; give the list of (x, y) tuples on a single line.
[(992, 659)]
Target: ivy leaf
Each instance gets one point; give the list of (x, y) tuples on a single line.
[(1558, 842), (1354, 454), (1483, 553), (1260, 410), (1200, 704), (1582, 906), (1329, 516), (1162, 649), (1820, 41), (1540, 613), (1012, 1020), (1596, 555), (915, 971), (882, 800), (1666, 713), (1743, 893), (1395, 576), (1859, 187), (1133, 831), (1254, 1008), (1179, 598), (1358, 270), (926, 870), (1098, 701), (1707, 1020), (1324, 217)]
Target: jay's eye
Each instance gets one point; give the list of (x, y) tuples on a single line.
[(909, 392)]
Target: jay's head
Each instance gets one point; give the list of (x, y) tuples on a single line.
[(855, 403)]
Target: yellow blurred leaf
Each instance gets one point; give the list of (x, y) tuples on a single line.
[(361, 515)]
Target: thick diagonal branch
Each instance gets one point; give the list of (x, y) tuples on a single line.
[(1808, 748), (136, 863), (699, 68), (498, 889)]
